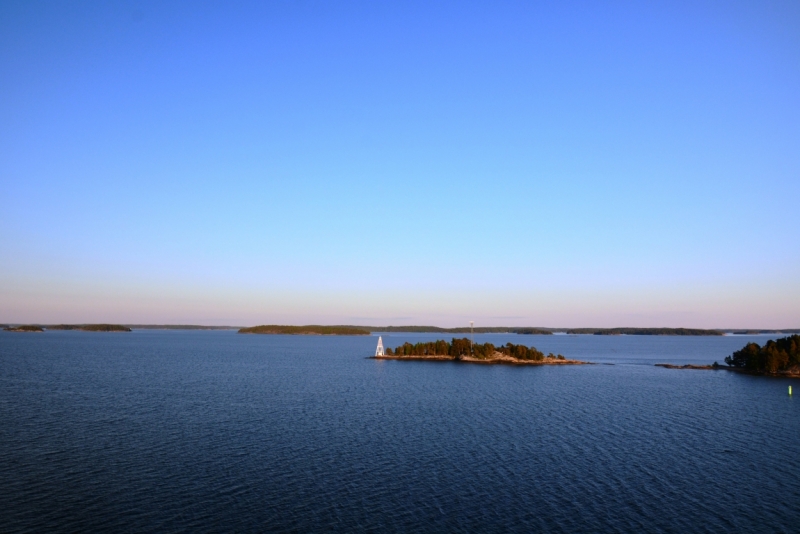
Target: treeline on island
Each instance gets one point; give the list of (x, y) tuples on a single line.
[(459, 348), (460, 330), (180, 327), (24, 328), (646, 331), (756, 332), (775, 356), (83, 327), (91, 327), (549, 331), (306, 330)]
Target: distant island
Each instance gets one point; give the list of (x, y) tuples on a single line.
[(25, 328), (91, 327), (315, 330), (521, 330), (364, 330), (180, 327), (460, 330), (779, 357), (646, 331), (756, 332), (530, 330), (461, 350)]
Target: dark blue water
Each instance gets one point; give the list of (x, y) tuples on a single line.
[(213, 431)]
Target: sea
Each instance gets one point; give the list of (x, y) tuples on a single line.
[(213, 431)]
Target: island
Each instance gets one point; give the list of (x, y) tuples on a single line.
[(25, 328), (460, 330), (776, 357), (646, 331), (780, 357), (715, 365), (91, 327), (308, 330), (531, 330), (522, 330), (757, 332), (180, 327), (461, 350)]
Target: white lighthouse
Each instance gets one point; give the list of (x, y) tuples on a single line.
[(379, 350)]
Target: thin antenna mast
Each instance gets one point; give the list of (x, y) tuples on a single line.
[(471, 335)]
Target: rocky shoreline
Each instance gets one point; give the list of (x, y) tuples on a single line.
[(690, 366), (788, 373), (498, 358)]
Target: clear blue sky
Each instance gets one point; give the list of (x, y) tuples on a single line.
[(513, 163)]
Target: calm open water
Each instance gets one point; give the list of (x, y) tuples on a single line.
[(170, 431)]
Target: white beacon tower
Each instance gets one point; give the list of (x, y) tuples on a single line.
[(379, 350)]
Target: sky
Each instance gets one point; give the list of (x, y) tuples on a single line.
[(559, 164)]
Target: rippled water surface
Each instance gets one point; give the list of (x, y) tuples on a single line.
[(212, 431)]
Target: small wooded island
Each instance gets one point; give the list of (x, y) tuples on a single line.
[(646, 332), (779, 357), (314, 330), (91, 327), (462, 350), (83, 327), (25, 328)]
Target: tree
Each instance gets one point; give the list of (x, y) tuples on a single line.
[(459, 348), (774, 356)]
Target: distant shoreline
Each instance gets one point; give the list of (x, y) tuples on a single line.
[(24, 328), (308, 330), (105, 327), (82, 327), (179, 327), (416, 329), (526, 330)]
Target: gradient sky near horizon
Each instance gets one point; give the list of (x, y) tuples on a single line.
[(511, 163)]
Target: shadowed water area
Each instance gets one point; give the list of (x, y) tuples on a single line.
[(173, 431)]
